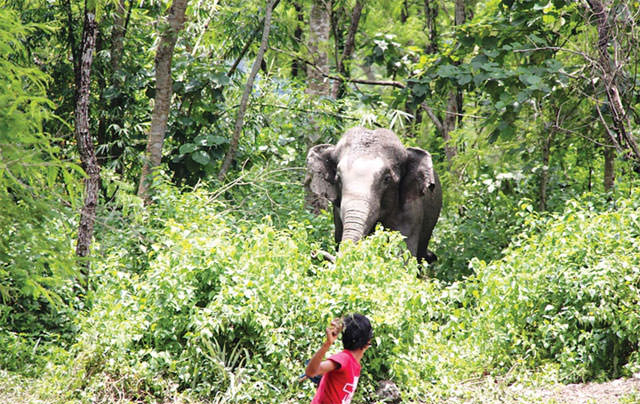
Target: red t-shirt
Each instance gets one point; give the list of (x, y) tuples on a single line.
[(339, 385)]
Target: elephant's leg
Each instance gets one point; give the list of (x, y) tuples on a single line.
[(431, 257), (409, 223), (423, 252)]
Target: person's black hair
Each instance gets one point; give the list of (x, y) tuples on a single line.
[(357, 332)]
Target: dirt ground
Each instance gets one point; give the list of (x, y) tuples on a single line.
[(618, 391)]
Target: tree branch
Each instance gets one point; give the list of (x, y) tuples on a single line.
[(433, 116), (247, 91), (349, 47), (247, 44), (396, 84)]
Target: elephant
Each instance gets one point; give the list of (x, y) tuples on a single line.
[(370, 177)]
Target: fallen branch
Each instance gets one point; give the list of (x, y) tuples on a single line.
[(325, 255)]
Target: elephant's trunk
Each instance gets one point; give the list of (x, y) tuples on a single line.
[(355, 217)]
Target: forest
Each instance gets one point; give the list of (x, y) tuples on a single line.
[(159, 242)]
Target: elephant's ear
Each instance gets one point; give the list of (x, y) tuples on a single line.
[(419, 175), (321, 172)]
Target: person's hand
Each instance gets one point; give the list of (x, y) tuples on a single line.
[(334, 330)]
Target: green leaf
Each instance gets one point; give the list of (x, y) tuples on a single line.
[(201, 157), (188, 148), (448, 71)]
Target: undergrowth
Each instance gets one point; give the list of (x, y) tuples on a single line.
[(189, 301)]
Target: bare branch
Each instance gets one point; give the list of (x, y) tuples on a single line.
[(396, 84), (559, 49), (323, 254), (433, 116)]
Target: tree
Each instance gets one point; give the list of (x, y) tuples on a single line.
[(343, 62), (453, 114), (319, 27), (83, 135), (174, 22), (297, 66), (609, 70), (112, 80), (36, 181), (247, 91)]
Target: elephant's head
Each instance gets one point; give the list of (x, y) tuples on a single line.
[(370, 177)]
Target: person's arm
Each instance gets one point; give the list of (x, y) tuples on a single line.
[(317, 366)]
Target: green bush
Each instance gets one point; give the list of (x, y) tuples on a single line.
[(202, 302), (568, 293), (37, 262), (233, 309), (486, 220)]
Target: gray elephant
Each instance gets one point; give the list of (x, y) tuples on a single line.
[(370, 177)]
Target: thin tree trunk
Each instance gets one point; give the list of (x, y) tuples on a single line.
[(247, 92), (164, 90), (83, 137), (449, 124), (117, 45), (72, 45), (296, 65), (609, 69), (430, 14), (609, 169), (454, 104), (117, 36), (349, 46), (248, 44), (544, 174), (404, 12)]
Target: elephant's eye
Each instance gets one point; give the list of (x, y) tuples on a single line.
[(387, 178)]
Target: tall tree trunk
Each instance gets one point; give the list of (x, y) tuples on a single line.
[(297, 65), (117, 35), (544, 173), (247, 92), (83, 136), (72, 45), (454, 103), (609, 168), (609, 70), (449, 124), (404, 12), (164, 89), (110, 112), (248, 44), (430, 15), (319, 26), (318, 86), (349, 46)]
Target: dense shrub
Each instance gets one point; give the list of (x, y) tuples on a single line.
[(37, 262), (233, 309), (568, 294), (486, 219), (188, 298)]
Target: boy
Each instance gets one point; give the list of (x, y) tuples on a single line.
[(340, 373)]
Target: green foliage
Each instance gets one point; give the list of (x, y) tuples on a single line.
[(490, 213), (36, 256), (190, 296), (234, 308), (215, 291), (567, 294)]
